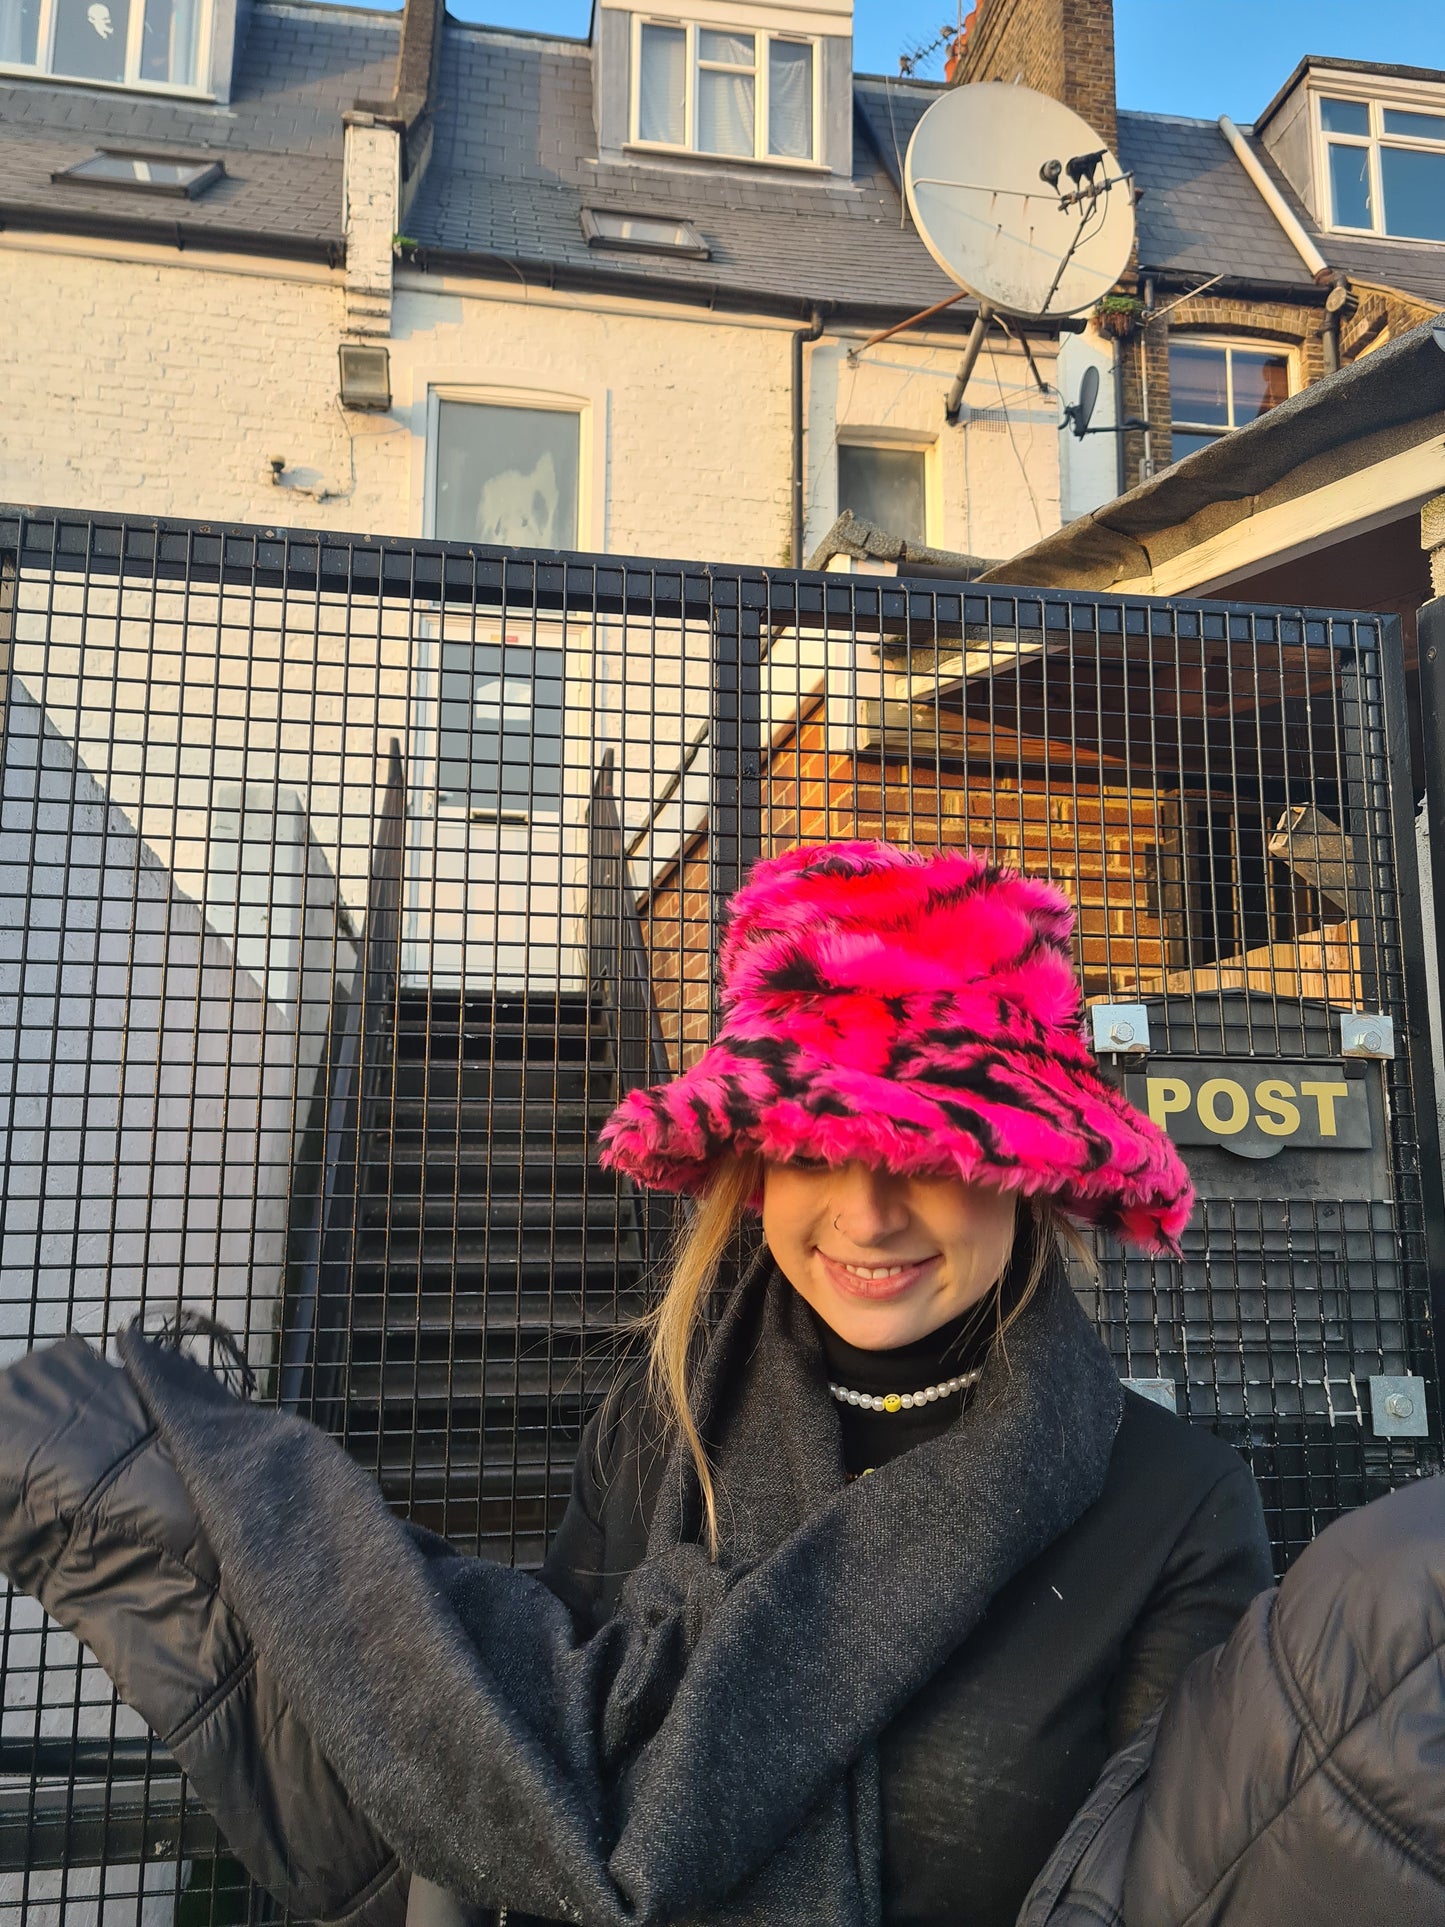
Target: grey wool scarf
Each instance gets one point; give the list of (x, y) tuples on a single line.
[(709, 1755)]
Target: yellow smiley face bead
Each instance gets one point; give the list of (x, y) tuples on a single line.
[(892, 1403)]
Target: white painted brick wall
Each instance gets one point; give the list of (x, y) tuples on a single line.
[(163, 386)]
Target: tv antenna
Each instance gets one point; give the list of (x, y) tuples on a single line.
[(1018, 201)]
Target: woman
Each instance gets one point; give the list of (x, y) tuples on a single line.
[(846, 1612)]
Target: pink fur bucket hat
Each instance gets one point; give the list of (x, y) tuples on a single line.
[(918, 1012)]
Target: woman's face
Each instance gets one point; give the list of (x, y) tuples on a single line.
[(885, 1259)]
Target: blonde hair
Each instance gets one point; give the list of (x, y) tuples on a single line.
[(675, 1326)]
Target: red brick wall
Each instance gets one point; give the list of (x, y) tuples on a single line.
[(1060, 47), (1114, 851)]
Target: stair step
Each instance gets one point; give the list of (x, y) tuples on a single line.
[(516, 1171), (439, 1126), (434, 1080), (502, 1248), (403, 1308), (441, 1200), (449, 1206)]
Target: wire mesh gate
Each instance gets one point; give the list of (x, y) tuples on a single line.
[(347, 883)]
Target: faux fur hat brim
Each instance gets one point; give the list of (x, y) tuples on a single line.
[(917, 1013)]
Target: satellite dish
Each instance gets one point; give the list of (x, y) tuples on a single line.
[(1018, 200), (1082, 413)]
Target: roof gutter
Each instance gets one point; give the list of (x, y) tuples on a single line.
[(181, 235), (1278, 206)]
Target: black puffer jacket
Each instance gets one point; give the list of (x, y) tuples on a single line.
[(1295, 1773), (1296, 1776)]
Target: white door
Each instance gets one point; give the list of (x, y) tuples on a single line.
[(496, 835)]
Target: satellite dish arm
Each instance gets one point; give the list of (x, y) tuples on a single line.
[(971, 350)]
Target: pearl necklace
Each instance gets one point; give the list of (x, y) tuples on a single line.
[(905, 1401)]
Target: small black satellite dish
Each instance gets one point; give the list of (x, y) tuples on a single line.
[(1082, 413)]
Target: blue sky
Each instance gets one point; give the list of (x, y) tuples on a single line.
[(1203, 57)]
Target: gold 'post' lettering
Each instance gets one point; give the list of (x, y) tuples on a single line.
[(1166, 1095), (1225, 1087), (1278, 1114), (1325, 1096)]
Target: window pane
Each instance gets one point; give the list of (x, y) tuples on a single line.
[(499, 726), (1419, 127), (90, 37), (168, 42), (1414, 188), (884, 486), (19, 27), (725, 112), (1198, 384), (662, 86), (790, 100), (1261, 382), (1350, 186), (507, 475), (1183, 442), (734, 49), (1345, 116)]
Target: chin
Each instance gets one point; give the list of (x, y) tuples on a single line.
[(876, 1328)]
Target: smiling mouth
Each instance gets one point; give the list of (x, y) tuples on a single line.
[(876, 1281)]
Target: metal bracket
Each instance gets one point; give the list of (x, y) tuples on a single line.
[(1366, 1033), (1120, 1028), (1159, 1391), (1397, 1408)]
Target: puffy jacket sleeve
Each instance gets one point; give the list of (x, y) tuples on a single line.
[(96, 1525), (1296, 1775)]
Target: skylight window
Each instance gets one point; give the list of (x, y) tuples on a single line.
[(642, 233), (150, 173)]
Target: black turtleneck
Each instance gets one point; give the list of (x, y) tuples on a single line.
[(872, 1438)]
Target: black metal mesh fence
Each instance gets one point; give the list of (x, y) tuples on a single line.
[(344, 886)]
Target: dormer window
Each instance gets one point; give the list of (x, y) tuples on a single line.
[(118, 43), (728, 91), (1384, 165)]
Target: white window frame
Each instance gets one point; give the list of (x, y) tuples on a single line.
[(1377, 101), (132, 83), (763, 39), (1240, 344), (849, 435), (491, 395)]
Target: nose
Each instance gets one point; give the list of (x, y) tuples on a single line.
[(868, 1206)]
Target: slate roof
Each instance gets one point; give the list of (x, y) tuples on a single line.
[(300, 69), (1200, 212), (516, 161)]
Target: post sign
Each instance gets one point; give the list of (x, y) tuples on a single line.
[(1254, 1107)]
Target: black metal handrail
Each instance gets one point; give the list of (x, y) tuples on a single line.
[(363, 1020), (616, 950), (620, 969)]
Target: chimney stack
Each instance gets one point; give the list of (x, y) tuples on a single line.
[(1060, 47)]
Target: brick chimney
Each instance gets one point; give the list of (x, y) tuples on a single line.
[(1061, 47)]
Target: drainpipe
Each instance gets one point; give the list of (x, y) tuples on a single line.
[(801, 336), (1278, 206)]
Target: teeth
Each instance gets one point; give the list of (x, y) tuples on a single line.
[(877, 1271)]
